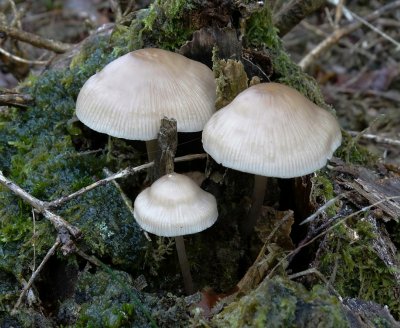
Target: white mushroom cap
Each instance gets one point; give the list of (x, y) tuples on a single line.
[(272, 130), (128, 97), (174, 205)]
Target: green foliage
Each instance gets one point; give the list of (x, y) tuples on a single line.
[(359, 272)]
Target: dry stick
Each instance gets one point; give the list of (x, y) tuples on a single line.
[(118, 175), (375, 138), (292, 13), (35, 274), (35, 40), (295, 251), (59, 223), (339, 33), (22, 60), (15, 99), (320, 276)]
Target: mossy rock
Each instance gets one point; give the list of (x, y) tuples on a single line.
[(282, 303)]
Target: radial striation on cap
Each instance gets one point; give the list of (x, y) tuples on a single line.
[(174, 205), (128, 97), (272, 130)]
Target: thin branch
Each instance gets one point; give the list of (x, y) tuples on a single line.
[(58, 222), (15, 99), (292, 13), (22, 60), (375, 138), (320, 276), (329, 203), (35, 274), (334, 37), (35, 40), (118, 175)]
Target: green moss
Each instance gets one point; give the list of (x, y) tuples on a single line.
[(322, 191), (37, 153), (359, 272), (282, 303), (163, 25), (107, 299), (351, 152), (260, 33)]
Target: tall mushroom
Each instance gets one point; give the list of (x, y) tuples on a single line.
[(129, 96), (174, 206), (271, 130)]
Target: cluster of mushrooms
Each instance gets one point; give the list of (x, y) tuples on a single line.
[(269, 130)]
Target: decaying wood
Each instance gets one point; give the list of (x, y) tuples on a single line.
[(167, 145)]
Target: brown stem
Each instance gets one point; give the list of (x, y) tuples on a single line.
[(184, 263), (260, 185)]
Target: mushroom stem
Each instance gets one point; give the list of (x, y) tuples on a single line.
[(184, 263), (260, 185)]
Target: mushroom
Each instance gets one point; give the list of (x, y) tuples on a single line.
[(174, 206), (271, 130), (129, 96)]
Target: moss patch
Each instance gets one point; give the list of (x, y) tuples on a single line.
[(282, 303), (358, 271)]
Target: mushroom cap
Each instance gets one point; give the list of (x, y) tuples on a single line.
[(175, 205), (129, 96), (272, 130)]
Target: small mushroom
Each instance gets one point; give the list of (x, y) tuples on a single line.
[(174, 206), (271, 130), (129, 97)]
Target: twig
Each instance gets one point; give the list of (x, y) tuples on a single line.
[(118, 175), (292, 13), (364, 209), (320, 276), (35, 274), (334, 37), (375, 138), (116, 9), (324, 207), (59, 223), (15, 99), (35, 40), (89, 258), (22, 60)]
